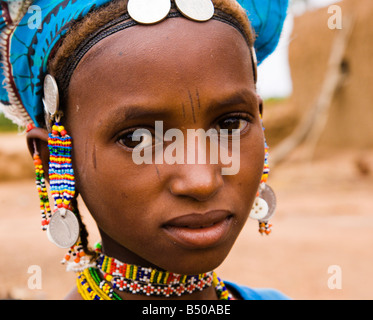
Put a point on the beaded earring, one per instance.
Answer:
(75, 255)
(265, 202)
(45, 209)
(63, 227)
(61, 173)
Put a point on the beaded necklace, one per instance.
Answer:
(92, 287)
(148, 281)
(99, 283)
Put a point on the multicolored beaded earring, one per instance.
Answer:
(61, 173)
(45, 209)
(63, 226)
(265, 201)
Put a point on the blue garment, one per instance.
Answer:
(27, 44)
(246, 293)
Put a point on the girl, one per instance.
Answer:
(90, 80)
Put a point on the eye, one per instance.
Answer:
(236, 122)
(136, 138)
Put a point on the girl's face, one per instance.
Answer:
(183, 218)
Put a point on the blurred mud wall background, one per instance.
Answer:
(349, 115)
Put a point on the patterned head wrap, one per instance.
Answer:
(26, 44)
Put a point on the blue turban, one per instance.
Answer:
(26, 44)
(267, 18)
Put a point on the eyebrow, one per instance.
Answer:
(244, 96)
(139, 112)
(124, 113)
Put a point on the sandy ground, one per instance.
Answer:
(324, 218)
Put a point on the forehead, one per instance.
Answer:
(177, 53)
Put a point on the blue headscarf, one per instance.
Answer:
(26, 44)
(267, 18)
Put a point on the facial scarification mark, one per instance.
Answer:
(94, 159)
(158, 174)
(198, 100)
(192, 106)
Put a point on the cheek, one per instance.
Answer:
(116, 191)
(252, 162)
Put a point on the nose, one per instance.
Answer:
(199, 181)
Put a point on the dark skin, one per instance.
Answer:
(189, 75)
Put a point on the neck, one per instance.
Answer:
(113, 249)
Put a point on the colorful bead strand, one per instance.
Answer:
(85, 290)
(91, 287)
(42, 191)
(266, 164)
(75, 254)
(61, 173)
(221, 289)
(264, 226)
(147, 281)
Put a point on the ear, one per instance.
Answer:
(37, 142)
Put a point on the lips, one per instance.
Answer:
(199, 231)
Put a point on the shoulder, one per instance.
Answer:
(246, 293)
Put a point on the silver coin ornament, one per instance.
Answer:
(265, 205)
(260, 209)
(268, 195)
(148, 11)
(51, 95)
(255, 63)
(63, 229)
(253, 52)
(198, 10)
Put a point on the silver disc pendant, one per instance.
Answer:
(260, 209)
(51, 95)
(63, 229)
(148, 11)
(255, 64)
(268, 195)
(198, 10)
